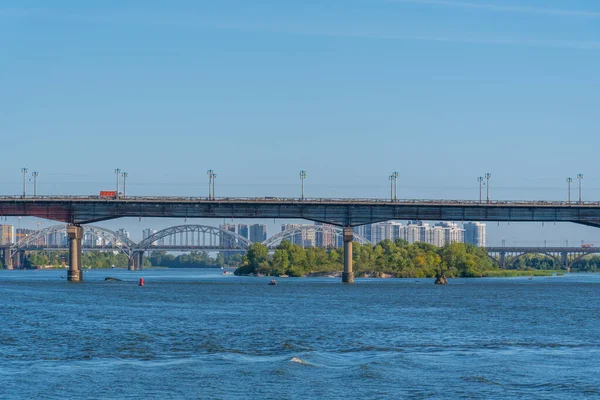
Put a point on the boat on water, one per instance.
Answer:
(273, 282)
(284, 276)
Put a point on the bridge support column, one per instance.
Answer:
(564, 258)
(348, 275)
(6, 260)
(139, 260)
(16, 259)
(74, 234)
(131, 266)
(502, 260)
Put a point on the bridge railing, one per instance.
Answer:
(295, 200)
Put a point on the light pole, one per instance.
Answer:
(391, 177)
(487, 184)
(210, 173)
(214, 177)
(118, 173)
(480, 180)
(569, 181)
(395, 177)
(35, 175)
(124, 175)
(24, 172)
(580, 178)
(302, 178)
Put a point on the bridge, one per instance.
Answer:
(346, 213)
(566, 257)
(176, 238)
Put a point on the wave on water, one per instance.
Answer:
(300, 361)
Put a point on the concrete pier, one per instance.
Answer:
(139, 260)
(348, 275)
(75, 234)
(131, 266)
(6, 260)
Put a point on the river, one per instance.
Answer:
(197, 334)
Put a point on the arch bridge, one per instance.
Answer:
(176, 238)
(566, 257)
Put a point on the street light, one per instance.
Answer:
(118, 173)
(24, 172)
(124, 175)
(394, 177)
(580, 178)
(302, 178)
(210, 173)
(569, 180)
(35, 175)
(480, 180)
(487, 184)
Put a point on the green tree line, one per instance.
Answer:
(399, 259)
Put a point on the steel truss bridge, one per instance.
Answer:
(176, 238)
(566, 257)
(346, 213)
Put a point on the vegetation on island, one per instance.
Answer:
(397, 259)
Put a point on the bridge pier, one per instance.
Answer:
(131, 265)
(74, 234)
(6, 260)
(17, 259)
(348, 275)
(139, 260)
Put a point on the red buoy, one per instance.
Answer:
(141, 281)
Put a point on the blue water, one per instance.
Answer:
(196, 334)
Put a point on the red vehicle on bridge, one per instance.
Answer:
(109, 194)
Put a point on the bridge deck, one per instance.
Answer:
(342, 212)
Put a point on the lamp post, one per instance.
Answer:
(487, 184)
(118, 173)
(214, 177)
(210, 173)
(124, 175)
(580, 178)
(395, 178)
(569, 181)
(391, 178)
(480, 180)
(24, 172)
(35, 175)
(302, 178)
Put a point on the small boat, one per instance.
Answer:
(273, 282)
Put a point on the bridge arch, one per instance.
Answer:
(327, 231)
(118, 242)
(579, 257)
(195, 236)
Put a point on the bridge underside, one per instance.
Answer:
(341, 213)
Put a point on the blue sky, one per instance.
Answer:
(441, 91)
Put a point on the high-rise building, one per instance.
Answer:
(445, 233)
(224, 239)
(416, 231)
(146, 233)
(326, 237)
(475, 233)
(7, 234)
(365, 232)
(243, 230)
(258, 233)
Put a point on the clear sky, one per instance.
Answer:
(442, 91)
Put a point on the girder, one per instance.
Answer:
(341, 212)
